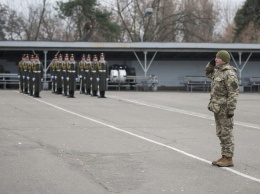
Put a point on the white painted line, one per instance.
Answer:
(149, 140)
(186, 112)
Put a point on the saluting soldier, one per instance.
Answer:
(30, 75)
(59, 74)
(37, 76)
(64, 74)
(53, 74)
(72, 72)
(25, 74)
(87, 81)
(94, 75)
(103, 69)
(20, 73)
(81, 74)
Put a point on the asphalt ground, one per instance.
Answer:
(129, 143)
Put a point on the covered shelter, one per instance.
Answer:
(170, 61)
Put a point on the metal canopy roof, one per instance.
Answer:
(126, 47)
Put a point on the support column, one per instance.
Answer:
(144, 66)
(45, 82)
(240, 68)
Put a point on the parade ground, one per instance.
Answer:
(132, 142)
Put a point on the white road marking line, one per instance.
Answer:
(186, 112)
(150, 140)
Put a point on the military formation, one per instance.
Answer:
(30, 74)
(91, 74)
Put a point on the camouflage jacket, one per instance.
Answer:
(224, 87)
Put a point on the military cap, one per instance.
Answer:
(224, 55)
(83, 56)
(95, 56)
(36, 56)
(32, 57)
(71, 56)
(89, 56)
(102, 55)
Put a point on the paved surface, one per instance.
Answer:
(129, 143)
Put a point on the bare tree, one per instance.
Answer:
(172, 20)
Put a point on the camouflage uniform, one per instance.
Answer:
(224, 93)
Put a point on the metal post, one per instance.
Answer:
(45, 83)
(142, 30)
(45, 64)
(145, 63)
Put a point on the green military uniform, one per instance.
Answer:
(53, 74)
(81, 74)
(103, 75)
(59, 75)
(20, 73)
(64, 74)
(30, 74)
(224, 93)
(37, 76)
(87, 81)
(94, 76)
(72, 72)
(25, 74)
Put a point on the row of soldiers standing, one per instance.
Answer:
(30, 73)
(92, 75)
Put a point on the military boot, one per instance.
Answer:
(214, 163)
(226, 162)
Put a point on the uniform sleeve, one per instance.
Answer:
(209, 70)
(232, 91)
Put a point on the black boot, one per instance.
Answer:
(88, 92)
(69, 94)
(83, 90)
(104, 94)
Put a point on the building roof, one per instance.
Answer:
(121, 46)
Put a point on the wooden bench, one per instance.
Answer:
(254, 82)
(8, 79)
(199, 82)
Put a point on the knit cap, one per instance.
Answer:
(224, 55)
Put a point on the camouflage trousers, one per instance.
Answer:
(224, 130)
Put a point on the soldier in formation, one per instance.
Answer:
(103, 75)
(59, 75)
(30, 75)
(26, 65)
(72, 72)
(82, 74)
(21, 73)
(53, 65)
(94, 76)
(87, 81)
(64, 66)
(37, 77)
